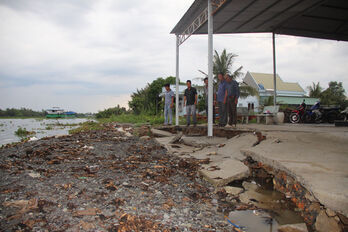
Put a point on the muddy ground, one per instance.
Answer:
(105, 181)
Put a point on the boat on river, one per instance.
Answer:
(57, 112)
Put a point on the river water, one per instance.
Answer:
(41, 127)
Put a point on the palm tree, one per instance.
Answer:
(223, 64)
(246, 90)
(315, 90)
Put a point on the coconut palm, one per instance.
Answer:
(223, 64)
(246, 90)
(315, 90)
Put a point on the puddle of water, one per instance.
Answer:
(275, 209)
(254, 221)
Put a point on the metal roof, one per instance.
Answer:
(296, 100)
(324, 19)
(267, 81)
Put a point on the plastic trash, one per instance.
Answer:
(33, 139)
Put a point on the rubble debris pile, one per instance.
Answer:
(104, 180)
(202, 131)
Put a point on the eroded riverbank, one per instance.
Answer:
(104, 181)
(120, 179)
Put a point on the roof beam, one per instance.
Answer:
(194, 26)
(297, 32)
(236, 15)
(298, 14)
(325, 18)
(258, 14)
(200, 20)
(280, 13)
(340, 26)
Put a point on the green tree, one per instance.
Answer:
(334, 95)
(315, 90)
(22, 112)
(147, 100)
(246, 90)
(107, 113)
(223, 64)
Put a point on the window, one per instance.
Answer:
(261, 86)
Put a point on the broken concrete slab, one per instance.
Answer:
(235, 144)
(229, 170)
(179, 149)
(318, 161)
(233, 190)
(160, 133)
(208, 152)
(145, 137)
(326, 223)
(202, 141)
(176, 138)
(300, 227)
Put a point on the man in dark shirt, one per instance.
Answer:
(232, 95)
(190, 101)
(221, 100)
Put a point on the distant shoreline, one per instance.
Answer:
(32, 117)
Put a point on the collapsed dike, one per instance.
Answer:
(315, 215)
(120, 179)
(298, 198)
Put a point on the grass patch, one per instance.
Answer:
(49, 128)
(134, 119)
(22, 132)
(142, 119)
(23, 117)
(87, 126)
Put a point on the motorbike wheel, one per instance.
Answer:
(309, 118)
(342, 117)
(331, 117)
(294, 118)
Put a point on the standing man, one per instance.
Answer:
(190, 101)
(221, 99)
(168, 104)
(232, 95)
(206, 98)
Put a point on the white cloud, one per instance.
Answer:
(87, 55)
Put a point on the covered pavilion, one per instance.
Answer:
(322, 19)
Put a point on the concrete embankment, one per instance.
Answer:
(308, 165)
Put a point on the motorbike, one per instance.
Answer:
(297, 115)
(343, 115)
(301, 114)
(314, 114)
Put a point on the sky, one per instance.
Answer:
(89, 55)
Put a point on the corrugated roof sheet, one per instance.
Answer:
(325, 19)
(267, 81)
